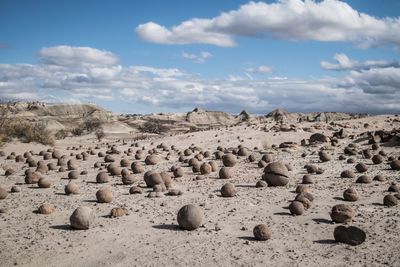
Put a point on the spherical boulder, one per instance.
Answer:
(262, 164)
(205, 168)
(395, 165)
(128, 179)
(9, 172)
(350, 194)
(364, 179)
(305, 201)
(261, 183)
(135, 190)
(33, 177)
(71, 189)
(324, 156)
(190, 217)
(394, 188)
(82, 218)
(104, 195)
(159, 188)
(307, 179)
(390, 201)
(349, 235)
(296, 208)
(151, 160)
(3, 193)
(301, 188)
(124, 162)
(214, 166)
(115, 170)
(225, 173)
(318, 138)
(351, 160)
(261, 232)
(229, 160)
(178, 172)
(228, 190)
(342, 213)
(361, 167)
(153, 179)
(243, 152)
(118, 212)
(347, 174)
(306, 195)
(73, 174)
(44, 182)
(311, 168)
(46, 209)
(276, 174)
(137, 167)
(267, 158)
(15, 189)
(379, 178)
(377, 159)
(102, 177)
(196, 167)
(72, 164)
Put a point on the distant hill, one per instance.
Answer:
(63, 116)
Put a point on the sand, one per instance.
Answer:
(149, 235)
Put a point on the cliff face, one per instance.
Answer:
(56, 116)
(54, 110)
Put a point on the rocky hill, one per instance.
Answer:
(68, 116)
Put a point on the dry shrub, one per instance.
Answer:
(92, 124)
(140, 136)
(27, 132)
(100, 134)
(77, 131)
(154, 127)
(62, 134)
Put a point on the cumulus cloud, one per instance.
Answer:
(379, 81)
(374, 90)
(345, 63)
(197, 58)
(76, 56)
(187, 32)
(259, 70)
(325, 21)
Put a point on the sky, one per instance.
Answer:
(171, 56)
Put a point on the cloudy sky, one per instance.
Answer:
(171, 56)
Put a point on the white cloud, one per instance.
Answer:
(64, 55)
(372, 90)
(186, 33)
(379, 81)
(260, 69)
(345, 63)
(326, 21)
(197, 58)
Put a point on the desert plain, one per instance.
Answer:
(149, 234)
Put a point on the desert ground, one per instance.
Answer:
(149, 235)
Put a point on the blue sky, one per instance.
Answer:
(251, 62)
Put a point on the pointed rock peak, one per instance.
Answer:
(244, 112)
(197, 109)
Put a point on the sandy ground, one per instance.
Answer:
(149, 235)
